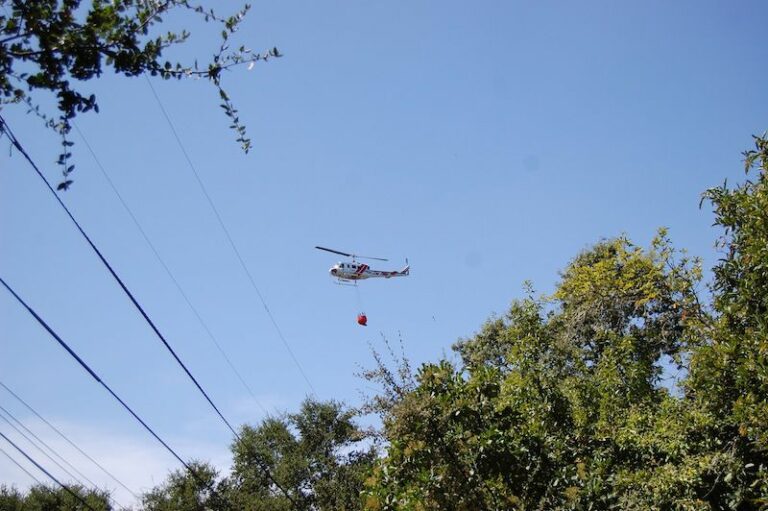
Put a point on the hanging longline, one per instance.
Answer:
(362, 319)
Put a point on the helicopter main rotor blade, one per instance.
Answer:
(369, 257)
(334, 251)
(353, 256)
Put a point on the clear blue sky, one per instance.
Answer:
(487, 142)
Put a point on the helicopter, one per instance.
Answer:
(350, 272)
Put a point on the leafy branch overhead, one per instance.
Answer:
(55, 46)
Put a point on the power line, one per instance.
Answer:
(90, 371)
(72, 476)
(69, 441)
(51, 450)
(38, 481)
(229, 239)
(43, 470)
(5, 128)
(168, 271)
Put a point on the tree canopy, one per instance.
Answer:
(315, 459)
(44, 498)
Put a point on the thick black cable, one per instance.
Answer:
(4, 126)
(39, 482)
(53, 451)
(169, 272)
(69, 474)
(62, 435)
(31, 476)
(50, 449)
(43, 470)
(230, 240)
(90, 371)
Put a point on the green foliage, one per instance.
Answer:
(310, 460)
(559, 404)
(184, 491)
(11, 499)
(314, 454)
(44, 498)
(57, 45)
(729, 374)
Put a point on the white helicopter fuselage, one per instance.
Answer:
(359, 271)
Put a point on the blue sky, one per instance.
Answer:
(487, 142)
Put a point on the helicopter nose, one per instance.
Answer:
(332, 271)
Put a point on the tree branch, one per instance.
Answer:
(17, 36)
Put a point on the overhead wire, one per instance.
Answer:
(6, 129)
(31, 476)
(93, 374)
(168, 271)
(62, 435)
(230, 239)
(43, 470)
(50, 449)
(93, 485)
(69, 474)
